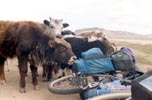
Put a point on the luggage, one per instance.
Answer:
(107, 88)
(93, 61)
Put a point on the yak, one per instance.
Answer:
(81, 44)
(34, 43)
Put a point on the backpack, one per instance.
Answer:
(124, 59)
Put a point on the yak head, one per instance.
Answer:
(55, 26)
(62, 51)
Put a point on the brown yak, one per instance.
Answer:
(32, 42)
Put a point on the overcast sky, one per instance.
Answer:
(127, 15)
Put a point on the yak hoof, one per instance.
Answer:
(26, 74)
(46, 80)
(22, 90)
(3, 82)
(36, 87)
(37, 75)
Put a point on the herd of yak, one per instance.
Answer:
(46, 44)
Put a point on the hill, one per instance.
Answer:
(115, 34)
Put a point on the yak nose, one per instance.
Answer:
(74, 57)
(70, 62)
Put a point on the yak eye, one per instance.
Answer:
(51, 26)
(63, 48)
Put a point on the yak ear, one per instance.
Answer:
(50, 18)
(65, 25)
(51, 43)
(46, 22)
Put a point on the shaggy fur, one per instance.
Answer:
(31, 42)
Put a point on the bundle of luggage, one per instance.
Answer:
(94, 61)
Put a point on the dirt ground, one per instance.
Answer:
(10, 91)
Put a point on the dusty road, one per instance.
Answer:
(10, 91)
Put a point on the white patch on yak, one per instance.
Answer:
(68, 36)
(71, 36)
(54, 26)
(94, 38)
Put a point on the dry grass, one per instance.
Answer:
(143, 61)
(147, 48)
(142, 52)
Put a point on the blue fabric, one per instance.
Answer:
(91, 52)
(94, 64)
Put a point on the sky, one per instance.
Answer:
(124, 15)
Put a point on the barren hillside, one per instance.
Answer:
(116, 34)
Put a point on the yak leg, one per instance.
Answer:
(44, 71)
(34, 76)
(2, 74)
(23, 72)
(47, 73)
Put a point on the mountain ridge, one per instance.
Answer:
(115, 34)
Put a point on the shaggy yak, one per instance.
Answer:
(81, 44)
(32, 42)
